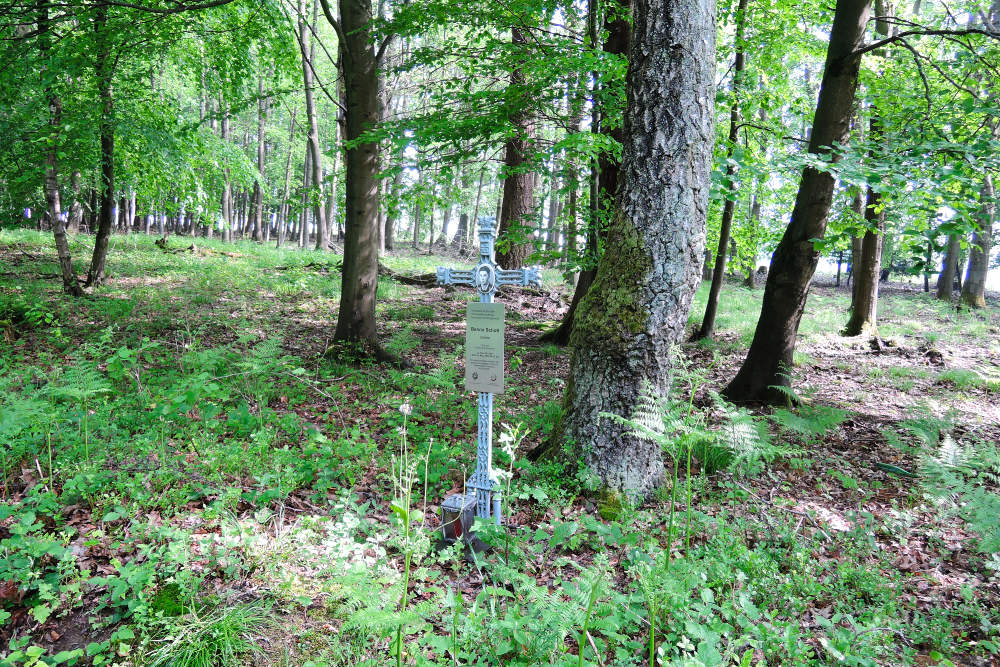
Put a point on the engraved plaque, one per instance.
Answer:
(484, 330)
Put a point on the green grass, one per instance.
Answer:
(191, 481)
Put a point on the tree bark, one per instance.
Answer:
(729, 206)
(316, 163)
(974, 287)
(104, 71)
(257, 223)
(946, 281)
(356, 319)
(866, 273)
(769, 359)
(518, 185)
(52, 200)
(227, 187)
(609, 177)
(76, 208)
(282, 230)
(637, 306)
(392, 215)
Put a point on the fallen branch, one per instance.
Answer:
(421, 280)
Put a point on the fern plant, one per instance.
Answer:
(740, 440)
(964, 477)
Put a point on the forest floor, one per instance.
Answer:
(192, 477)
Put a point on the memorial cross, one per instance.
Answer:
(486, 277)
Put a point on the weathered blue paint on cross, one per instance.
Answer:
(486, 277)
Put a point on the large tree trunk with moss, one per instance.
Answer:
(518, 185)
(729, 206)
(356, 319)
(104, 70)
(974, 288)
(637, 307)
(793, 264)
(946, 280)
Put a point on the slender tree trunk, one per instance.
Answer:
(54, 212)
(864, 312)
(928, 256)
(729, 206)
(637, 307)
(608, 171)
(946, 281)
(974, 287)
(76, 208)
(286, 190)
(518, 185)
(104, 72)
(415, 213)
(392, 214)
(258, 189)
(753, 236)
(769, 360)
(356, 319)
(227, 187)
(306, 186)
(316, 163)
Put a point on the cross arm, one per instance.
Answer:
(530, 275)
(446, 276)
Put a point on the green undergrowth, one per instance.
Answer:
(188, 480)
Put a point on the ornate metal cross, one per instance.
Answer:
(486, 277)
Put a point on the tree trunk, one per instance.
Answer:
(227, 187)
(53, 204)
(316, 163)
(392, 215)
(282, 230)
(866, 273)
(356, 319)
(769, 359)
(637, 306)
(946, 281)
(258, 190)
(304, 216)
(609, 177)
(974, 287)
(864, 310)
(104, 71)
(729, 206)
(518, 185)
(76, 208)
(415, 213)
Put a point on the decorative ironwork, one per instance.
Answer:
(486, 277)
